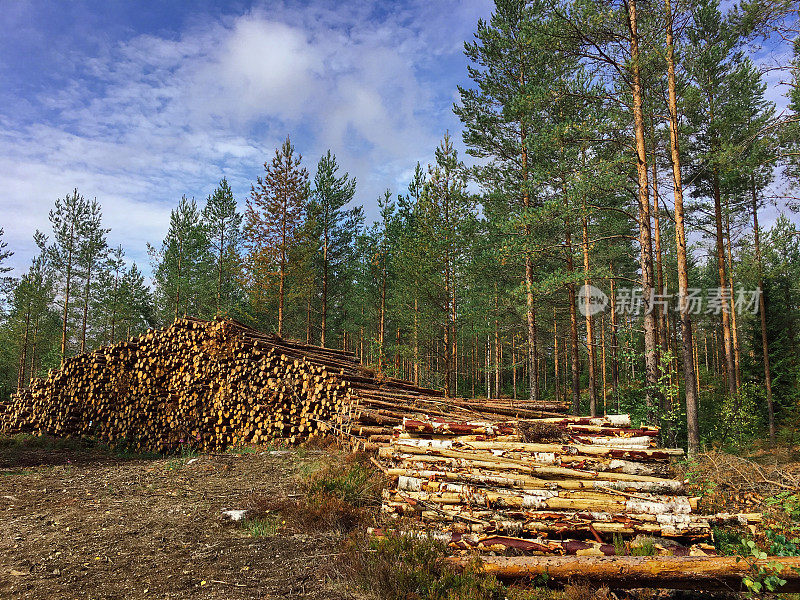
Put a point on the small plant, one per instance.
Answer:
(788, 502)
(780, 545)
(340, 494)
(726, 541)
(185, 453)
(43, 442)
(354, 484)
(645, 548)
(619, 545)
(263, 526)
(696, 480)
(783, 532)
(242, 450)
(764, 577)
(740, 417)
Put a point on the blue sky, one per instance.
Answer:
(137, 103)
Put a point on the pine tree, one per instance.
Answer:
(275, 212)
(335, 226)
(382, 260)
(689, 368)
(183, 271)
(91, 255)
(222, 224)
(68, 219)
(443, 211)
(752, 147)
(137, 312)
(6, 282)
(32, 321)
(110, 297)
(710, 62)
(507, 70)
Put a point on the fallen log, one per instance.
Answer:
(674, 572)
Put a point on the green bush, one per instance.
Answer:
(400, 566)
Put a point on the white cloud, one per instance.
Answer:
(145, 120)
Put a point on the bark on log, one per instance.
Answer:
(713, 573)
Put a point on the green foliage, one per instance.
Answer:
(352, 482)
(763, 576)
(619, 545)
(223, 226)
(181, 266)
(788, 502)
(402, 566)
(727, 541)
(263, 527)
(783, 531)
(741, 417)
(646, 547)
(781, 545)
(693, 474)
(41, 442)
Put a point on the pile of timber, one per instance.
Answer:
(209, 384)
(602, 487)
(374, 414)
(214, 384)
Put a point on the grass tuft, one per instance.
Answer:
(262, 526)
(339, 493)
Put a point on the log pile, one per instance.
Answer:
(599, 486)
(214, 384)
(207, 384)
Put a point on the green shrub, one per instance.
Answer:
(400, 566)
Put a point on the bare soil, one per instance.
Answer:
(85, 523)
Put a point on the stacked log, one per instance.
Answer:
(373, 413)
(214, 384)
(478, 485)
(205, 384)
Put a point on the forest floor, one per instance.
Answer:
(79, 521)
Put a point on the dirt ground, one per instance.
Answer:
(80, 523)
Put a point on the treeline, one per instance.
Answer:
(623, 155)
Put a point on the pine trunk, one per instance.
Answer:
(732, 303)
(66, 292)
(589, 320)
(727, 341)
(763, 313)
(86, 307)
(693, 428)
(324, 316)
(614, 338)
(645, 243)
(573, 322)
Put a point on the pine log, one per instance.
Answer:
(711, 573)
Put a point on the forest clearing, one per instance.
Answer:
(532, 331)
(542, 494)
